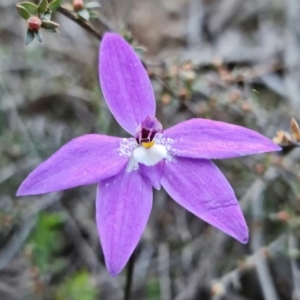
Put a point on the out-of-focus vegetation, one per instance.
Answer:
(232, 60)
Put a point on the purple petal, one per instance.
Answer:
(84, 160)
(154, 173)
(200, 187)
(125, 83)
(201, 138)
(123, 207)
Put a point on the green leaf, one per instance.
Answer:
(92, 4)
(84, 14)
(55, 4)
(52, 30)
(152, 289)
(128, 37)
(30, 7)
(46, 240)
(77, 287)
(46, 16)
(49, 24)
(94, 15)
(42, 7)
(23, 12)
(38, 36)
(140, 50)
(29, 37)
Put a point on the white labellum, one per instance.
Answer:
(150, 156)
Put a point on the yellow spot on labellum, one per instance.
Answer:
(148, 145)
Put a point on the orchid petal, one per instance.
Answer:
(123, 207)
(125, 83)
(201, 138)
(84, 160)
(200, 187)
(154, 173)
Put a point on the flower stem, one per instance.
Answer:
(129, 277)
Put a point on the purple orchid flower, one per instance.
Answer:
(125, 169)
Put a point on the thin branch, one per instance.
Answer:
(164, 271)
(293, 246)
(291, 55)
(91, 29)
(84, 24)
(16, 242)
(257, 242)
(233, 277)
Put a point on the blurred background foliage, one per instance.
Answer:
(231, 60)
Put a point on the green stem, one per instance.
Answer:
(129, 277)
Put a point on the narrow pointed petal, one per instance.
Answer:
(84, 160)
(154, 173)
(125, 83)
(123, 207)
(201, 138)
(200, 187)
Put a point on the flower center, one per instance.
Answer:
(146, 131)
(149, 153)
(148, 144)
